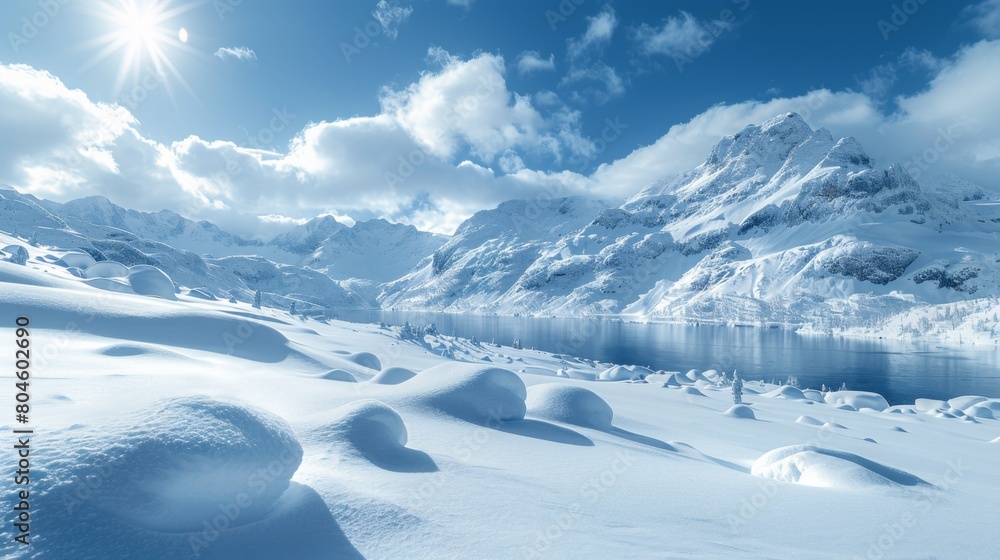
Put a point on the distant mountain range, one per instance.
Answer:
(780, 225)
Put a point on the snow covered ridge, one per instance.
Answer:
(191, 428)
(781, 225)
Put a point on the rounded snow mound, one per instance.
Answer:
(473, 392)
(370, 428)
(76, 259)
(16, 254)
(786, 392)
(980, 412)
(740, 411)
(672, 381)
(815, 466)
(130, 350)
(392, 376)
(992, 404)
(966, 401)
(711, 375)
(691, 392)
(185, 459)
(808, 421)
(149, 281)
(108, 269)
(623, 373)
(928, 405)
(813, 395)
(569, 404)
(338, 375)
(202, 293)
(857, 399)
(365, 359)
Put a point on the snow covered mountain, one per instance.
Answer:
(489, 254)
(322, 262)
(781, 224)
(371, 250)
(109, 233)
(97, 217)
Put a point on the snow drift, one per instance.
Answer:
(815, 466)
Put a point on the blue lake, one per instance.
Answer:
(900, 371)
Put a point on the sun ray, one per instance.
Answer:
(141, 31)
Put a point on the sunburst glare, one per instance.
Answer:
(144, 33)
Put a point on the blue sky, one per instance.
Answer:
(424, 111)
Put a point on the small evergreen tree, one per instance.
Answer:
(256, 299)
(291, 308)
(737, 388)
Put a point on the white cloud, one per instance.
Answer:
(61, 145)
(531, 61)
(879, 81)
(510, 162)
(414, 164)
(467, 104)
(391, 16)
(461, 3)
(599, 72)
(680, 37)
(985, 18)
(921, 59)
(957, 112)
(239, 53)
(600, 28)
(585, 64)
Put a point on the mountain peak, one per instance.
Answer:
(771, 141)
(847, 152)
(792, 122)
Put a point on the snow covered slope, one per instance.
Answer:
(198, 429)
(489, 254)
(781, 224)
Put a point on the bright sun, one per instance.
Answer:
(145, 35)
